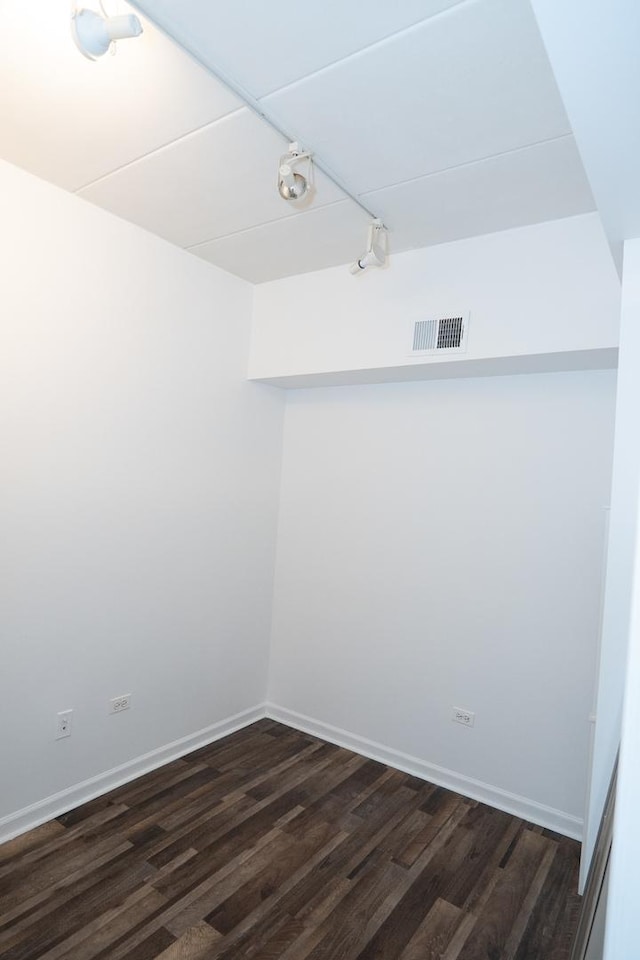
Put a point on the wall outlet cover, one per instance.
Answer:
(466, 717)
(63, 724)
(118, 704)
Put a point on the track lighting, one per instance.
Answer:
(376, 253)
(95, 32)
(292, 184)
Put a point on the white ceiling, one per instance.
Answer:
(441, 116)
(598, 70)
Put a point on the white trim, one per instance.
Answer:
(59, 803)
(531, 810)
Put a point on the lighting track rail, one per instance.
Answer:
(256, 107)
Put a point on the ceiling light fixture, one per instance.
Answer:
(288, 182)
(94, 33)
(376, 253)
(292, 184)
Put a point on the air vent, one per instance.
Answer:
(434, 336)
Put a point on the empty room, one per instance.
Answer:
(319, 384)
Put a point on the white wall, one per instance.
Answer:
(621, 548)
(593, 53)
(140, 477)
(621, 639)
(440, 544)
(139, 496)
(547, 289)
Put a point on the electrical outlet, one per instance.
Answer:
(118, 704)
(63, 724)
(466, 717)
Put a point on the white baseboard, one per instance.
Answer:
(531, 810)
(59, 803)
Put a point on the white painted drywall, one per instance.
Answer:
(621, 547)
(593, 51)
(621, 639)
(140, 478)
(545, 289)
(440, 544)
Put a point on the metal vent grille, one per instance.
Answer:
(449, 333)
(425, 335)
(446, 333)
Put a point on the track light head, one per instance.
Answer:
(292, 184)
(376, 253)
(93, 34)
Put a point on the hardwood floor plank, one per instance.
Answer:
(213, 856)
(344, 931)
(460, 937)
(217, 845)
(27, 911)
(286, 933)
(430, 882)
(346, 859)
(30, 841)
(270, 844)
(434, 934)
(419, 842)
(193, 903)
(230, 813)
(266, 883)
(76, 859)
(108, 926)
(527, 905)
(491, 932)
(495, 862)
(60, 841)
(261, 924)
(491, 831)
(152, 946)
(194, 944)
(547, 933)
(397, 920)
(72, 914)
(147, 782)
(225, 789)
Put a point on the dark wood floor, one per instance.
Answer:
(273, 844)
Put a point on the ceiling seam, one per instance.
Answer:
(468, 163)
(388, 186)
(383, 41)
(161, 148)
(267, 223)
